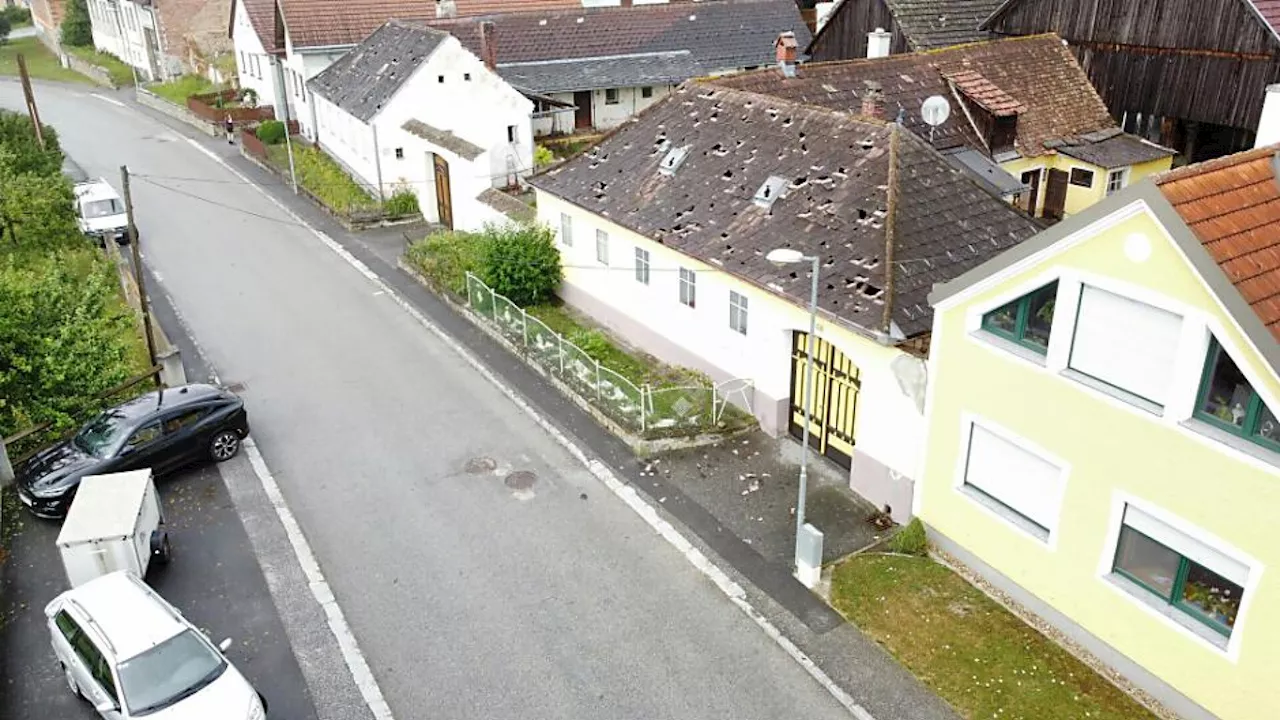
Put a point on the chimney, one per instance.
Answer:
(878, 43)
(872, 99)
(1269, 123)
(446, 8)
(785, 46)
(489, 45)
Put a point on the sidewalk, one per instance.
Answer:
(710, 510)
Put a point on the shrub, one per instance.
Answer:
(402, 202)
(17, 15)
(248, 96)
(270, 132)
(77, 27)
(445, 258)
(542, 156)
(521, 262)
(910, 540)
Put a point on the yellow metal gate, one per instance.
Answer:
(836, 381)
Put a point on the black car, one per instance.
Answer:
(162, 430)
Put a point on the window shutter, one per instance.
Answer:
(1027, 483)
(1126, 343)
(1194, 550)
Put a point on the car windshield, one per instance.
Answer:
(102, 433)
(102, 208)
(168, 673)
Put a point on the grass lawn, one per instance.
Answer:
(323, 178)
(41, 64)
(177, 91)
(978, 656)
(116, 68)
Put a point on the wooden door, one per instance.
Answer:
(833, 398)
(1031, 179)
(444, 197)
(582, 119)
(1055, 195)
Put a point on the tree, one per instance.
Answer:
(6, 25)
(521, 262)
(18, 137)
(36, 211)
(77, 28)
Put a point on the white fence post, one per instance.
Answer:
(599, 391)
(470, 300)
(560, 351)
(524, 329)
(6, 468)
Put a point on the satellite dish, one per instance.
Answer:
(934, 111)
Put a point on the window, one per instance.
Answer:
(440, 79)
(466, 77)
(602, 247)
(1027, 320)
(1081, 177)
(186, 419)
(1116, 180)
(566, 230)
(143, 437)
(642, 266)
(1186, 574)
(1013, 481)
(646, 92)
(244, 62)
(688, 287)
(738, 312)
(512, 136)
(611, 96)
(399, 153)
(68, 627)
(1126, 344)
(1228, 401)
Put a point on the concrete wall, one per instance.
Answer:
(1221, 490)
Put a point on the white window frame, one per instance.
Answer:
(738, 314)
(642, 265)
(993, 506)
(1231, 649)
(566, 229)
(602, 247)
(688, 288)
(1122, 177)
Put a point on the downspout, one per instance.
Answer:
(890, 223)
(377, 161)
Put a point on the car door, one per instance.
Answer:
(139, 450)
(183, 438)
(92, 671)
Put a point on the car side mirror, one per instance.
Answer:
(225, 644)
(105, 706)
(127, 449)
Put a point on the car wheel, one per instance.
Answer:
(71, 683)
(224, 445)
(161, 550)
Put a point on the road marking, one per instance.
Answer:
(623, 491)
(113, 101)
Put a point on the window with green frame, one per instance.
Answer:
(1228, 401)
(1178, 580)
(1027, 320)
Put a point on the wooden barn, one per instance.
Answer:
(911, 25)
(1189, 74)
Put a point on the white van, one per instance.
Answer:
(101, 212)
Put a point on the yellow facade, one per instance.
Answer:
(1112, 451)
(1079, 197)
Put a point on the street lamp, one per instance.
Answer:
(806, 567)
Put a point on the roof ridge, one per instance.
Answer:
(1215, 164)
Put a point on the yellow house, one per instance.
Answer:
(1018, 114)
(664, 229)
(1101, 439)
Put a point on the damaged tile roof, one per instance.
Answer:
(931, 24)
(1112, 149)
(1269, 10)
(509, 206)
(886, 213)
(1038, 71)
(461, 147)
(1232, 204)
(363, 80)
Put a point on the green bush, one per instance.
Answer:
(270, 132)
(402, 202)
(16, 15)
(910, 540)
(521, 262)
(178, 90)
(77, 28)
(445, 258)
(324, 178)
(542, 156)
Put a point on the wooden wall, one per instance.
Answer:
(844, 37)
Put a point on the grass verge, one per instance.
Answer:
(323, 177)
(117, 69)
(979, 657)
(41, 64)
(178, 90)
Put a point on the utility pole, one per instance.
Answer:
(31, 100)
(137, 270)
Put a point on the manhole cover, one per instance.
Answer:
(481, 465)
(521, 480)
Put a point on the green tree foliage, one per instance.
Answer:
(77, 28)
(6, 25)
(18, 137)
(271, 132)
(36, 210)
(521, 262)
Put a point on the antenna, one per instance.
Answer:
(934, 111)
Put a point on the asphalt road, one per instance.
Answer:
(472, 594)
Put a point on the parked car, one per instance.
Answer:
(131, 654)
(101, 212)
(162, 430)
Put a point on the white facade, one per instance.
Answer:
(122, 28)
(255, 68)
(609, 108)
(451, 91)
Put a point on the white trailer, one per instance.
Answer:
(115, 523)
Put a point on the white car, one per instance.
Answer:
(132, 655)
(101, 211)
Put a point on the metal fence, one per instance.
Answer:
(644, 409)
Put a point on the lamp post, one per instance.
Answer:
(787, 256)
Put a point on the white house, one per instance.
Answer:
(664, 228)
(258, 64)
(410, 107)
(127, 30)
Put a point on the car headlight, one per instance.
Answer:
(256, 712)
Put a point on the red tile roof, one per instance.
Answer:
(985, 93)
(1270, 11)
(262, 15)
(1232, 205)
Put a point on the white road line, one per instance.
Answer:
(113, 101)
(624, 492)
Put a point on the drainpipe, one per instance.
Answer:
(377, 162)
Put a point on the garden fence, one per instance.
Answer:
(643, 409)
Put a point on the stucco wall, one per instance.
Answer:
(122, 32)
(1115, 452)
(888, 427)
(252, 60)
(1078, 197)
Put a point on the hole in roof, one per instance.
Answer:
(800, 182)
(862, 214)
(728, 175)
(786, 122)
